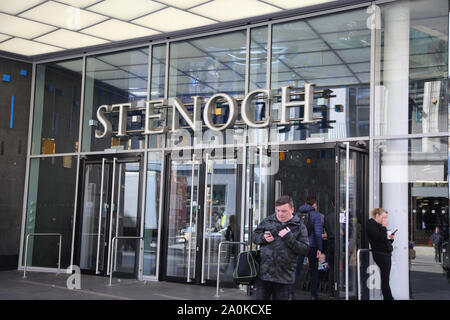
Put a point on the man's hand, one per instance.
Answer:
(284, 231)
(268, 236)
(318, 254)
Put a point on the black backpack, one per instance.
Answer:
(247, 267)
(305, 217)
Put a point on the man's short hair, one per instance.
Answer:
(283, 200)
(377, 211)
(311, 200)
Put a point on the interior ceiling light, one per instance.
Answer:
(226, 10)
(26, 47)
(23, 28)
(17, 6)
(124, 9)
(183, 4)
(172, 19)
(293, 4)
(117, 30)
(63, 16)
(70, 39)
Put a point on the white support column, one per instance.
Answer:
(394, 175)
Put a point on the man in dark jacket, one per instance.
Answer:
(315, 244)
(282, 238)
(381, 247)
(436, 239)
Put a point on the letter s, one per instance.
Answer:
(105, 122)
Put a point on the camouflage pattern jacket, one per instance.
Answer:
(278, 259)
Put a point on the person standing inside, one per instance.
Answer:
(282, 237)
(436, 239)
(381, 247)
(313, 221)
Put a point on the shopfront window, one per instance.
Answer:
(114, 79)
(332, 52)
(51, 194)
(204, 67)
(57, 107)
(158, 85)
(411, 182)
(152, 212)
(412, 68)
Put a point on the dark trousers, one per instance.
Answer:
(267, 290)
(437, 252)
(313, 265)
(384, 263)
(330, 249)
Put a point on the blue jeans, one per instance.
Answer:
(313, 266)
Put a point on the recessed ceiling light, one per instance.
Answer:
(183, 4)
(117, 30)
(15, 6)
(63, 16)
(26, 47)
(292, 4)
(22, 27)
(226, 10)
(172, 19)
(69, 39)
(123, 10)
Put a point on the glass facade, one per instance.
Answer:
(113, 79)
(380, 84)
(57, 107)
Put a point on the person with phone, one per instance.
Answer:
(282, 237)
(381, 246)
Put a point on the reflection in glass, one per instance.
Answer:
(412, 68)
(112, 79)
(182, 229)
(158, 83)
(57, 107)
(333, 52)
(152, 212)
(220, 211)
(51, 194)
(204, 67)
(412, 184)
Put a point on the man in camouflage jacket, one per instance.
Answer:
(282, 238)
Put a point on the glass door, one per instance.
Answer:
(202, 209)
(352, 196)
(182, 220)
(221, 212)
(109, 207)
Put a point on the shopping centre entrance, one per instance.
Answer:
(109, 207)
(337, 176)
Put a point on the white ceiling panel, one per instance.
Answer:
(171, 19)
(226, 10)
(4, 37)
(117, 30)
(126, 10)
(16, 6)
(63, 16)
(70, 39)
(79, 3)
(183, 4)
(293, 4)
(26, 47)
(22, 27)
